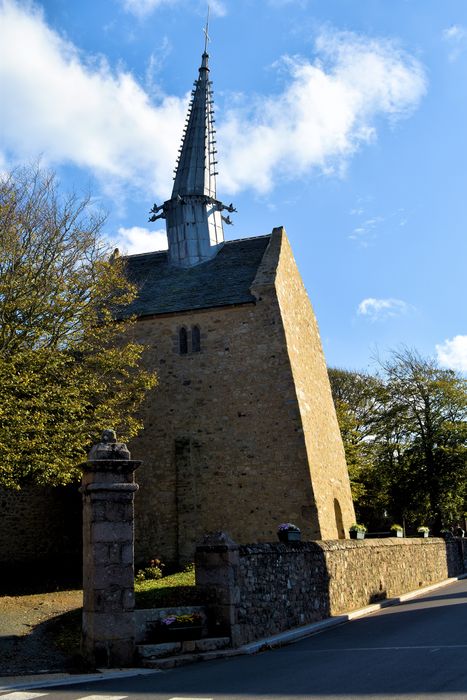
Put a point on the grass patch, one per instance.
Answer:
(170, 591)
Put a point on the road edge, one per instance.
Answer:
(260, 645)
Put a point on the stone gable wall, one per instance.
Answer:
(264, 589)
(328, 468)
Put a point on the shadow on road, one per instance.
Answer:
(400, 651)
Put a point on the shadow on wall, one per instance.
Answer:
(339, 520)
(456, 551)
(264, 589)
(40, 539)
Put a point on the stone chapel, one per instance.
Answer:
(241, 434)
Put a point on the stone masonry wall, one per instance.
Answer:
(223, 444)
(374, 570)
(328, 468)
(275, 587)
(40, 525)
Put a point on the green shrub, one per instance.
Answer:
(153, 572)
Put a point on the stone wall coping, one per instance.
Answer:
(333, 545)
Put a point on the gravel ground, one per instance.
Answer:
(39, 633)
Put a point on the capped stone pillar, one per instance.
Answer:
(108, 489)
(216, 567)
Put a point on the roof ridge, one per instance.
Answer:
(165, 251)
(148, 252)
(248, 238)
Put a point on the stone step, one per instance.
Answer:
(155, 651)
(150, 652)
(182, 659)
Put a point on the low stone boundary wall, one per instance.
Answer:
(264, 589)
(375, 570)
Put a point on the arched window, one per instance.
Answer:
(183, 341)
(195, 339)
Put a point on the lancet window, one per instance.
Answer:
(183, 341)
(195, 339)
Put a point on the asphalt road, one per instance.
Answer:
(414, 651)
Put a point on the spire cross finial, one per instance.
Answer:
(206, 35)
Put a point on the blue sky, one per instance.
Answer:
(343, 120)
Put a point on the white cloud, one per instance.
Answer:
(137, 239)
(455, 37)
(73, 110)
(76, 109)
(155, 64)
(218, 8)
(366, 231)
(380, 309)
(327, 111)
(454, 32)
(453, 353)
(143, 8)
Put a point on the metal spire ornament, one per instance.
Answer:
(193, 213)
(206, 34)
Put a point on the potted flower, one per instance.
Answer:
(357, 531)
(178, 628)
(397, 530)
(288, 532)
(423, 530)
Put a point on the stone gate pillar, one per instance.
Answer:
(108, 489)
(216, 567)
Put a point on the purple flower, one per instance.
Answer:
(284, 527)
(169, 620)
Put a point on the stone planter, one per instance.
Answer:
(423, 534)
(160, 633)
(397, 533)
(357, 535)
(289, 535)
(184, 633)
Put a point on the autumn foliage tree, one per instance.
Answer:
(67, 369)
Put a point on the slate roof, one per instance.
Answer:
(223, 281)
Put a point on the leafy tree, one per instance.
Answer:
(423, 436)
(67, 369)
(407, 442)
(355, 397)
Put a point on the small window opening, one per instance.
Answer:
(183, 341)
(195, 339)
(339, 520)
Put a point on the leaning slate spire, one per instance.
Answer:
(193, 213)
